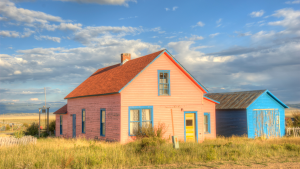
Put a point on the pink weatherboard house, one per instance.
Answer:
(114, 101)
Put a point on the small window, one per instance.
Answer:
(60, 124)
(189, 122)
(164, 82)
(83, 120)
(206, 122)
(140, 116)
(102, 122)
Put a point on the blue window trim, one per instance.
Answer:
(60, 125)
(196, 122)
(208, 119)
(140, 120)
(83, 123)
(164, 71)
(101, 111)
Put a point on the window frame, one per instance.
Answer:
(169, 84)
(140, 116)
(101, 132)
(60, 125)
(208, 123)
(83, 123)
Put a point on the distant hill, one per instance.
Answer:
(11, 108)
(294, 106)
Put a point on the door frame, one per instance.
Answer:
(196, 124)
(73, 125)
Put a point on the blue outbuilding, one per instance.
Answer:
(255, 113)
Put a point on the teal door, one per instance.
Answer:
(74, 125)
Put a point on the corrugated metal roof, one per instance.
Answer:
(235, 100)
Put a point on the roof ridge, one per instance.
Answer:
(237, 92)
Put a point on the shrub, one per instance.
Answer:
(7, 127)
(25, 125)
(32, 130)
(289, 122)
(52, 126)
(19, 134)
(149, 131)
(296, 116)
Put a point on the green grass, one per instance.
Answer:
(81, 153)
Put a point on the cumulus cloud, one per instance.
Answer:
(34, 99)
(257, 13)
(194, 38)
(293, 2)
(173, 9)
(201, 24)
(214, 34)
(103, 2)
(55, 39)
(7, 33)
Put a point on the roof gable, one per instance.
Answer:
(62, 110)
(113, 79)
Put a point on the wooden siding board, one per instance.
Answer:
(92, 106)
(186, 96)
(231, 122)
(265, 101)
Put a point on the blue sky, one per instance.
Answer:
(227, 45)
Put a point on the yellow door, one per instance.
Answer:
(190, 127)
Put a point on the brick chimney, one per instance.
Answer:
(125, 57)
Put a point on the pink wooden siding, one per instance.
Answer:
(209, 107)
(92, 106)
(185, 96)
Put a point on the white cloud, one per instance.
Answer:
(103, 2)
(243, 34)
(213, 35)
(55, 39)
(69, 26)
(34, 99)
(174, 8)
(170, 37)
(257, 13)
(17, 72)
(293, 2)
(201, 24)
(167, 9)
(194, 37)
(8, 100)
(219, 21)
(12, 34)
(27, 32)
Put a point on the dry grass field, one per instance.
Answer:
(219, 153)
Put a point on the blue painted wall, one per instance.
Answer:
(264, 101)
(231, 122)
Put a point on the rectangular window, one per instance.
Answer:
(102, 122)
(139, 116)
(206, 122)
(60, 124)
(83, 120)
(163, 82)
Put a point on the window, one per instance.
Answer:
(60, 124)
(83, 120)
(206, 122)
(102, 122)
(139, 116)
(164, 82)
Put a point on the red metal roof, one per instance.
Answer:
(112, 79)
(62, 110)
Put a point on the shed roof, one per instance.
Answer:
(239, 100)
(62, 110)
(113, 79)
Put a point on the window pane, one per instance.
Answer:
(166, 77)
(146, 124)
(161, 76)
(103, 128)
(61, 119)
(161, 92)
(161, 86)
(205, 127)
(83, 123)
(103, 116)
(166, 92)
(205, 119)
(134, 127)
(146, 114)
(134, 115)
(189, 122)
(83, 116)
